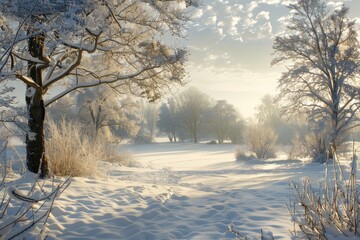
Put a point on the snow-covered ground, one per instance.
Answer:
(181, 191)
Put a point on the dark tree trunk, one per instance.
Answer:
(35, 144)
(174, 136)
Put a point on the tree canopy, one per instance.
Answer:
(56, 47)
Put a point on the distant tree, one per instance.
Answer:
(80, 44)
(151, 117)
(236, 135)
(11, 115)
(64, 108)
(269, 113)
(221, 118)
(321, 53)
(168, 120)
(192, 105)
(101, 109)
(148, 117)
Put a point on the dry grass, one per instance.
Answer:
(71, 152)
(123, 158)
(331, 212)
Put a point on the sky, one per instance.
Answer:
(230, 46)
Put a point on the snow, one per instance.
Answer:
(181, 191)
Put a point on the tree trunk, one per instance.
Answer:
(35, 145)
(195, 137)
(174, 135)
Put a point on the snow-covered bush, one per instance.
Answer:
(314, 141)
(73, 153)
(331, 212)
(261, 140)
(143, 138)
(241, 155)
(122, 157)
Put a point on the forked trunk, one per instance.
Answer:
(35, 145)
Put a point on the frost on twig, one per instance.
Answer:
(329, 212)
(26, 205)
(241, 236)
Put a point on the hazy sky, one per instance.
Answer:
(231, 46)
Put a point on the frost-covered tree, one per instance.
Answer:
(102, 110)
(321, 53)
(63, 109)
(147, 122)
(168, 119)
(221, 119)
(10, 114)
(192, 105)
(268, 112)
(151, 118)
(56, 47)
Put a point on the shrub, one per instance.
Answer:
(212, 142)
(315, 144)
(297, 147)
(261, 140)
(71, 152)
(143, 138)
(240, 154)
(331, 212)
(123, 157)
(240, 236)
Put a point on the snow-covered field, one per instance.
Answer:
(181, 191)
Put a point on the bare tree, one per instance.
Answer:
(269, 113)
(147, 122)
(151, 117)
(222, 118)
(63, 109)
(80, 44)
(103, 110)
(168, 120)
(321, 53)
(192, 105)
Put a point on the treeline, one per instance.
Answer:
(190, 115)
(193, 115)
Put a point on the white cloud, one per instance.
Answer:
(239, 20)
(211, 20)
(252, 6)
(263, 15)
(229, 25)
(335, 5)
(212, 57)
(265, 31)
(197, 13)
(288, 2)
